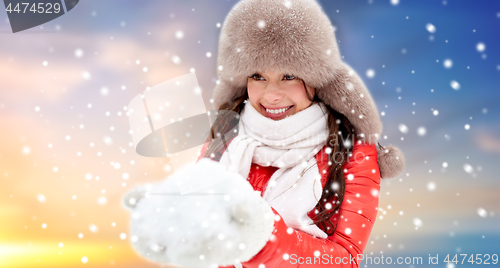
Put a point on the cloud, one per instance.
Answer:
(487, 141)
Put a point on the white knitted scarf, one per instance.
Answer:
(291, 145)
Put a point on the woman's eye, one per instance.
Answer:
(257, 77)
(289, 77)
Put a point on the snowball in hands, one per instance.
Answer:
(202, 215)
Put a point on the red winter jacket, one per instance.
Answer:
(358, 213)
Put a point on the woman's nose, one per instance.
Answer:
(273, 93)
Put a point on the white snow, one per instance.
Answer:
(86, 75)
(403, 128)
(93, 228)
(179, 34)
(102, 200)
(123, 236)
(370, 73)
(104, 91)
(417, 222)
(261, 24)
(175, 221)
(480, 47)
(78, 53)
(176, 59)
(482, 212)
(431, 186)
(455, 85)
(26, 150)
(468, 168)
(430, 27)
(447, 63)
(421, 131)
(41, 198)
(395, 2)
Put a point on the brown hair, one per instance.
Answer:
(338, 125)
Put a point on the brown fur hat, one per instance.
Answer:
(296, 37)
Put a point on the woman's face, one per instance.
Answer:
(277, 95)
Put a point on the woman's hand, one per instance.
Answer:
(202, 215)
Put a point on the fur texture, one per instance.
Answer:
(296, 37)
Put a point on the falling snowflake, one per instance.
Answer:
(93, 228)
(421, 131)
(395, 2)
(104, 91)
(431, 186)
(123, 236)
(26, 150)
(447, 63)
(482, 212)
(480, 47)
(176, 59)
(417, 222)
(261, 24)
(102, 200)
(179, 34)
(116, 165)
(86, 75)
(455, 85)
(403, 128)
(430, 27)
(468, 168)
(41, 198)
(78, 53)
(107, 140)
(370, 73)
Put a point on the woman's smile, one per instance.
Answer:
(277, 113)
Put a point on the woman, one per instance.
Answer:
(280, 69)
(301, 128)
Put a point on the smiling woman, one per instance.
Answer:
(305, 142)
(277, 96)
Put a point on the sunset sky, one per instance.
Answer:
(67, 158)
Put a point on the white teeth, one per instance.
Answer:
(277, 111)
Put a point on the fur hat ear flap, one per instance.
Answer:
(348, 95)
(391, 161)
